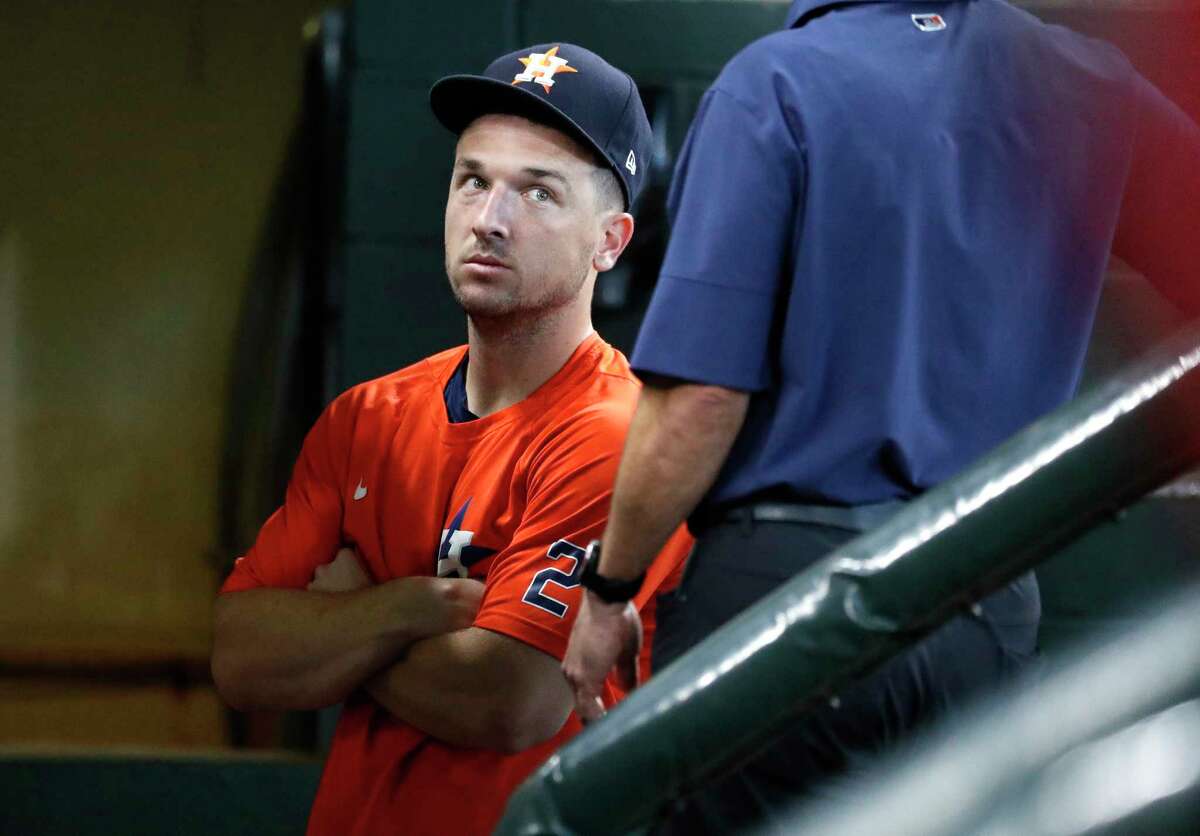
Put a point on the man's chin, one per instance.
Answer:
(484, 305)
(490, 313)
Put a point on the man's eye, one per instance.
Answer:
(540, 195)
(477, 183)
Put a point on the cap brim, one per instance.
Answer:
(458, 100)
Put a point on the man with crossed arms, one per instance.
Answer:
(425, 567)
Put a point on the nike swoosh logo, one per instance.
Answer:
(360, 491)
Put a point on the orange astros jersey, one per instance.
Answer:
(511, 499)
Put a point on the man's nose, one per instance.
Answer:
(494, 217)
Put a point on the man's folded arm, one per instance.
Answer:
(296, 649)
(498, 685)
(478, 689)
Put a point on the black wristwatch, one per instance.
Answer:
(610, 590)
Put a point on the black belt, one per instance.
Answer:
(850, 518)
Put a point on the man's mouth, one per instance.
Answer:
(486, 260)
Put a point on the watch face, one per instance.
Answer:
(591, 559)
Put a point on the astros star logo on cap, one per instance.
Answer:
(540, 68)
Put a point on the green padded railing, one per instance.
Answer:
(1104, 743)
(844, 615)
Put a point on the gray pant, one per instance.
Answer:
(736, 563)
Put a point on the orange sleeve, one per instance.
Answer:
(664, 575)
(533, 587)
(306, 530)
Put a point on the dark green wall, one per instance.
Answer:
(151, 795)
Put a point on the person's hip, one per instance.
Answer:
(757, 546)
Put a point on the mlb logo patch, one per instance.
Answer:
(929, 23)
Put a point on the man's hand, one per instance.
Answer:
(305, 649)
(433, 605)
(342, 574)
(604, 636)
(444, 605)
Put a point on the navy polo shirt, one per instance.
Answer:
(893, 232)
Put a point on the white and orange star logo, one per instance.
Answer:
(540, 68)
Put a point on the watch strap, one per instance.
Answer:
(609, 590)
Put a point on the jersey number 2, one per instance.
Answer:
(566, 580)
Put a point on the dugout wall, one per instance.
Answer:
(390, 305)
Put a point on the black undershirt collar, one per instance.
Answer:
(455, 396)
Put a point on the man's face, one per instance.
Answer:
(523, 227)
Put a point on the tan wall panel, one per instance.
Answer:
(54, 711)
(10, 493)
(140, 146)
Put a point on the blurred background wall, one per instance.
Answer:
(139, 145)
(192, 263)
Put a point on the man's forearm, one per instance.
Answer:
(676, 445)
(477, 689)
(292, 649)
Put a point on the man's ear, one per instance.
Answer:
(618, 229)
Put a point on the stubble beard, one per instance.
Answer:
(508, 306)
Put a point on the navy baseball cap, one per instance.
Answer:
(566, 87)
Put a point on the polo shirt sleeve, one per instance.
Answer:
(1158, 232)
(733, 205)
(305, 531)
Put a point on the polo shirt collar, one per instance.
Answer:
(802, 8)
